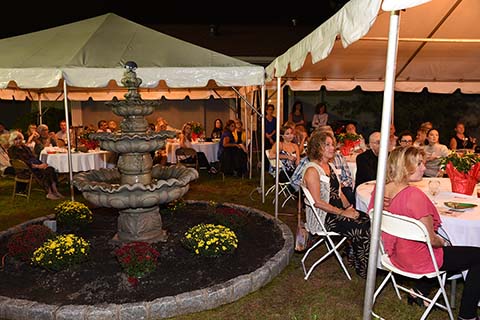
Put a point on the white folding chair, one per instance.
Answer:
(283, 186)
(412, 229)
(324, 236)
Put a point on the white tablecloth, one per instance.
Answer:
(80, 161)
(463, 228)
(209, 148)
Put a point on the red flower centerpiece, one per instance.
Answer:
(463, 170)
(86, 143)
(348, 142)
(197, 131)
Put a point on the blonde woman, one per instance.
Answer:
(289, 153)
(186, 142)
(406, 165)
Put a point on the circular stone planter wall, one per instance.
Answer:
(165, 307)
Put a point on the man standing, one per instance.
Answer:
(368, 160)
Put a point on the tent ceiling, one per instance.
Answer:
(441, 67)
(91, 53)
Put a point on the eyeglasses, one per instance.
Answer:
(406, 141)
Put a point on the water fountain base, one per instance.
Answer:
(140, 224)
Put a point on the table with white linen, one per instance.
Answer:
(209, 148)
(463, 228)
(81, 161)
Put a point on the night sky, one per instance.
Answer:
(20, 17)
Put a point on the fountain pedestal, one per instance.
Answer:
(136, 188)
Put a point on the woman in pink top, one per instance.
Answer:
(406, 165)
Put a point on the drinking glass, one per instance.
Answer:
(433, 189)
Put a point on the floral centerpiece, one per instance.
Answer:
(85, 142)
(73, 215)
(348, 142)
(137, 259)
(210, 240)
(197, 130)
(463, 170)
(61, 252)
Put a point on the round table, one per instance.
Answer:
(463, 228)
(209, 148)
(81, 161)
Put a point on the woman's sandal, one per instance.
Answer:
(411, 299)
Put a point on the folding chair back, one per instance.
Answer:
(187, 157)
(283, 186)
(413, 229)
(324, 236)
(23, 174)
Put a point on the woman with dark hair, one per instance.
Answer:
(233, 156)
(340, 216)
(297, 115)
(406, 165)
(320, 118)
(434, 151)
(44, 173)
(217, 129)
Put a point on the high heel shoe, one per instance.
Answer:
(416, 300)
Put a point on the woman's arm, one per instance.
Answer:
(435, 239)
(453, 144)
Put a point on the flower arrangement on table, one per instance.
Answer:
(62, 252)
(23, 244)
(348, 142)
(73, 215)
(197, 130)
(86, 142)
(463, 169)
(137, 259)
(210, 240)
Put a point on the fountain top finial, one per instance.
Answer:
(130, 81)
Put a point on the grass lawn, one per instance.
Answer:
(327, 294)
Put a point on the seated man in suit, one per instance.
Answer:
(367, 161)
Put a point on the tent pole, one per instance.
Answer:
(40, 113)
(262, 141)
(388, 96)
(69, 147)
(277, 149)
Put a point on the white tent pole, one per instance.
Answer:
(262, 141)
(277, 149)
(69, 147)
(40, 113)
(388, 96)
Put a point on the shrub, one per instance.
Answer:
(62, 252)
(21, 245)
(137, 259)
(210, 240)
(73, 214)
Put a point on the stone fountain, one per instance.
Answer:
(135, 187)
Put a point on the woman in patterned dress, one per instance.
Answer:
(340, 216)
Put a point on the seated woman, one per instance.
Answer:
(434, 151)
(45, 174)
(322, 182)
(217, 129)
(460, 140)
(239, 134)
(405, 165)
(186, 142)
(288, 152)
(5, 167)
(44, 139)
(233, 156)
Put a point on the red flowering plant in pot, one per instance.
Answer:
(463, 169)
(137, 260)
(22, 244)
(197, 131)
(348, 142)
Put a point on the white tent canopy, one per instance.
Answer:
(439, 49)
(89, 55)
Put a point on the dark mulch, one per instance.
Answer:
(100, 280)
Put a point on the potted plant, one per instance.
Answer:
(197, 130)
(462, 169)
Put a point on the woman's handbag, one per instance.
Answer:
(302, 237)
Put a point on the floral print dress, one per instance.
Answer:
(357, 231)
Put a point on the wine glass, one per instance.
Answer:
(433, 189)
